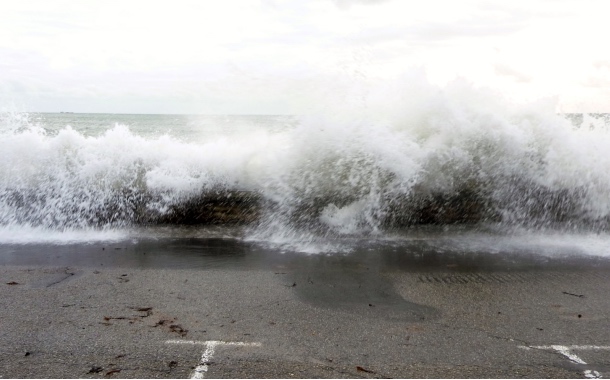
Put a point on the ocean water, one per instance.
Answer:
(457, 169)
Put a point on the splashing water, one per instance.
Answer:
(412, 154)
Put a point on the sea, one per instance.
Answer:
(446, 175)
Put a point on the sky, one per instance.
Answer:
(280, 57)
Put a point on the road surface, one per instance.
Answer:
(214, 308)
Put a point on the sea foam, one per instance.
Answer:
(403, 154)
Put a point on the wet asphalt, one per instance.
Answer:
(222, 308)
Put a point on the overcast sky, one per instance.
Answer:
(270, 57)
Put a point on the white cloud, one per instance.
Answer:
(504, 70)
(240, 53)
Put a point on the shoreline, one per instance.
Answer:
(419, 253)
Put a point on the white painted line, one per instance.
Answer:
(567, 352)
(572, 347)
(216, 342)
(206, 357)
(592, 374)
(202, 366)
(193, 342)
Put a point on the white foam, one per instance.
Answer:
(36, 235)
(545, 243)
(341, 165)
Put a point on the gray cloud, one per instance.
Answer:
(231, 60)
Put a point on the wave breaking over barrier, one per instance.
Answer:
(427, 156)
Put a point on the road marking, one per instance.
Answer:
(567, 352)
(592, 374)
(206, 357)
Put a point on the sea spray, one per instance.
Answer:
(403, 154)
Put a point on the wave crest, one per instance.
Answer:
(425, 157)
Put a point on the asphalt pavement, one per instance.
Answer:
(224, 309)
